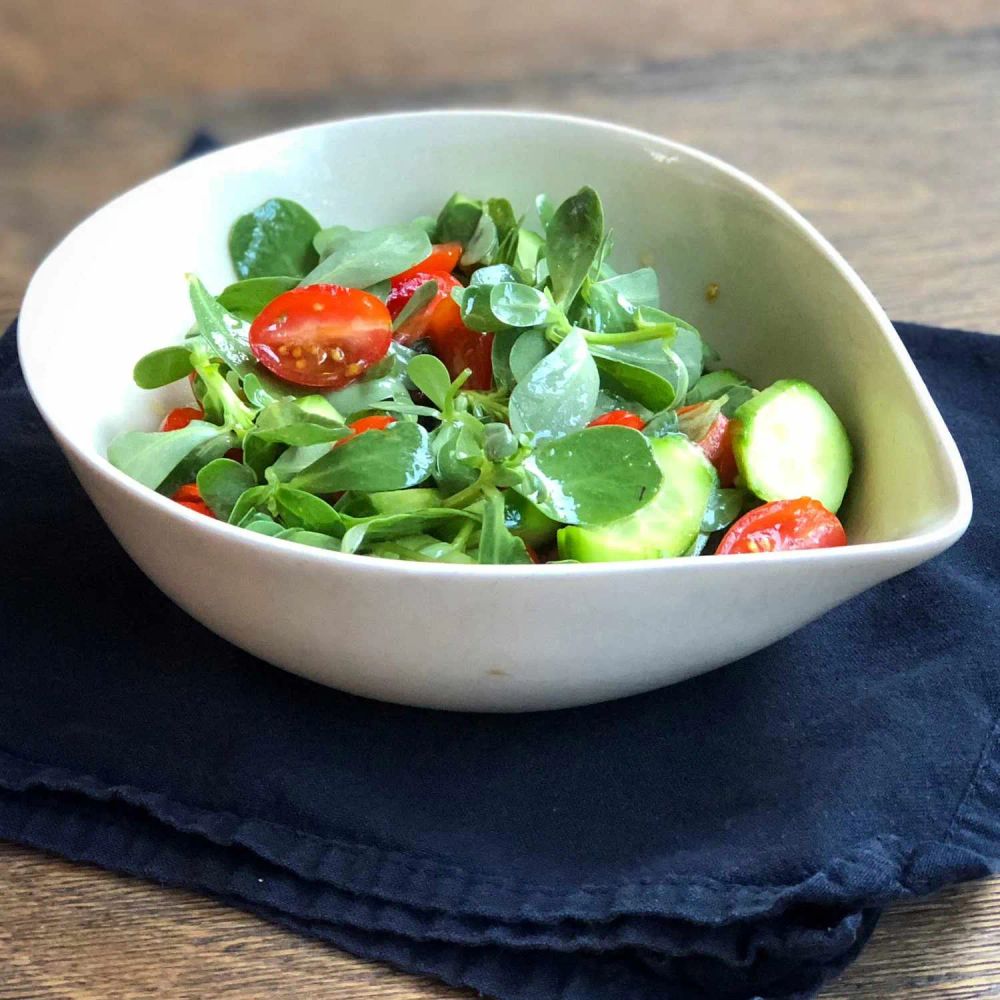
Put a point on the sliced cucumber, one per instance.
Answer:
(789, 443)
(666, 526)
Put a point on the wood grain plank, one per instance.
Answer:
(62, 54)
(890, 148)
(72, 931)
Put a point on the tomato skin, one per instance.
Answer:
(321, 335)
(717, 444)
(378, 422)
(618, 418)
(441, 311)
(441, 323)
(460, 348)
(180, 417)
(782, 526)
(442, 258)
(188, 496)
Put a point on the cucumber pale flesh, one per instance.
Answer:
(666, 526)
(789, 443)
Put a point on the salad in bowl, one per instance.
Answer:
(471, 388)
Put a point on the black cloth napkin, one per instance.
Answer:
(730, 837)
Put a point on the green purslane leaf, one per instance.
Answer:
(475, 310)
(326, 239)
(224, 334)
(308, 420)
(497, 546)
(526, 352)
(494, 274)
(546, 209)
(360, 259)
(724, 507)
(418, 300)
(393, 459)
(299, 509)
(161, 367)
(275, 239)
(150, 457)
(573, 241)
(503, 343)
(483, 243)
(458, 220)
(454, 468)
(594, 476)
(380, 527)
(245, 299)
(724, 383)
(263, 524)
(662, 424)
(311, 538)
(514, 304)
(640, 287)
(192, 463)
(292, 461)
(558, 395)
(431, 377)
(499, 442)
(250, 502)
(221, 483)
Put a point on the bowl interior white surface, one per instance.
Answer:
(788, 306)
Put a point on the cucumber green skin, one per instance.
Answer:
(818, 464)
(666, 526)
(404, 501)
(525, 520)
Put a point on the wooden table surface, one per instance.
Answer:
(880, 121)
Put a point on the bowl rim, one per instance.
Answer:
(916, 548)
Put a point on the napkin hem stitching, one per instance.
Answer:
(241, 832)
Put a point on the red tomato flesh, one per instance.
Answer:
(717, 444)
(460, 348)
(784, 525)
(321, 335)
(440, 322)
(188, 496)
(618, 418)
(177, 419)
(440, 311)
(379, 422)
(443, 257)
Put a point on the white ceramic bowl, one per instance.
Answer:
(494, 638)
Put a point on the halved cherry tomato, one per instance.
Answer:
(782, 525)
(443, 258)
(618, 418)
(717, 444)
(441, 311)
(378, 422)
(188, 496)
(177, 419)
(441, 323)
(321, 335)
(460, 348)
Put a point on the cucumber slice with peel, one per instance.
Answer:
(666, 526)
(789, 443)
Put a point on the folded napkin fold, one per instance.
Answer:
(733, 836)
